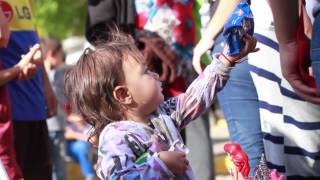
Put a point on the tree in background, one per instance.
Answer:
(60, 18)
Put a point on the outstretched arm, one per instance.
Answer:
(200, 94)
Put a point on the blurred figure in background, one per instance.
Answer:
(53, 61)
(33, 100)
(78, 146)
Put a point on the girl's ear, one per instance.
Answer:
(122, 95)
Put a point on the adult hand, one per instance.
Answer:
(202, 47)
(29, 57)
(27, 63)
(290, 71)
(27, 72)
(4, 29)
(175, 161)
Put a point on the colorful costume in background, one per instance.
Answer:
(239, 24)
(129, 149)
(172, 19)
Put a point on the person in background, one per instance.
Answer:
(286, 30)
(53, 62)
(33, 100)
(285, 123)
(7, 151)
(243, 123)
(78, 147)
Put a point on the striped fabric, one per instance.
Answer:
(291, 126)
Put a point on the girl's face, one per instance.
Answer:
(143, 84)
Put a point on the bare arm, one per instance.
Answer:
(286, 18)
(286, 14)
(220, 17)
(9, 74)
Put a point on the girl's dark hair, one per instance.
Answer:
(90, 83)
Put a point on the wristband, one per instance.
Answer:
(227, 59)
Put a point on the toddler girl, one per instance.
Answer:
(139, 132)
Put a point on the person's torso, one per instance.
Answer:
(27, 97)
(262, 15)
(58, 122)
(156, 137)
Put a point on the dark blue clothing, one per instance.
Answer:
(27, 97)
(79, 151)
(315, 50)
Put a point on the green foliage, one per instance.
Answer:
(60, 18)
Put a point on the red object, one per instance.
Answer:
(7, 151)
(184, 33)
(7, 10)
(68, 108)
(303, 53)
(175, 88)
(162, 2)
(141, 20)
(238, 157)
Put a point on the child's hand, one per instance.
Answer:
(249, 47)
(175, 161)
(202, 47)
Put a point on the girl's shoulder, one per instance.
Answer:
(122, 128)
